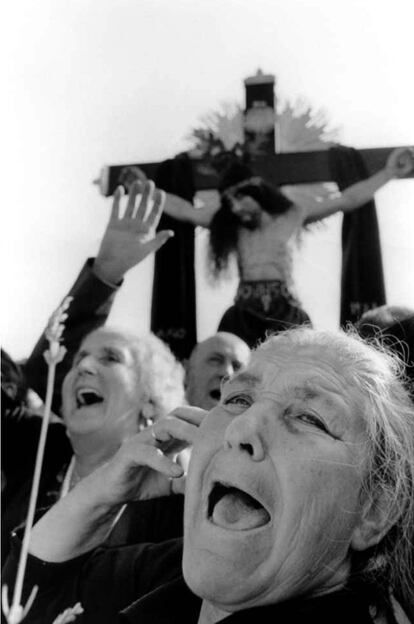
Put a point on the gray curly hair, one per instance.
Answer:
(388, 412)
(160, 375)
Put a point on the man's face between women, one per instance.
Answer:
(216, 357)
(274, 487)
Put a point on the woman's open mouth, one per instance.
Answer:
(85, 397)
(232, 508)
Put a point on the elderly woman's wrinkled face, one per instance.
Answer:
(101, 392)
(274, 488)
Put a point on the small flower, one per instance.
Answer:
(54, 331)
(69, 615)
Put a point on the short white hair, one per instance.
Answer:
(160, 375)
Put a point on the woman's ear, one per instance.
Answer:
(377, 518)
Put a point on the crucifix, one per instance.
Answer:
(175, 277)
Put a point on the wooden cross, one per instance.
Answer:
(277, 168)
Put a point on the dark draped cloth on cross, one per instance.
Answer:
(362, 279)
(173, 310)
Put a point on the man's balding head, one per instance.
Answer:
(212, 359)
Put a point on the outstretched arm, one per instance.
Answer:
(400, 163)
(184, 211)
(174, 206)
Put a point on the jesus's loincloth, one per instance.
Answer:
(261, 308)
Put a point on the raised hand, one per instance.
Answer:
(144, 467)
(131, 237)
(400, 162)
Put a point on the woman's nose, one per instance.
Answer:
(246, 433)
(87, 365)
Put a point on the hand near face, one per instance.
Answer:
(400, 163)
(142, 468)
(144, 465)
(130, 238)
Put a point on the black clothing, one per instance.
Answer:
(174, 603)
(154, 520)
(105, 581)
(362, 280)
(144, 584)
(20, 439)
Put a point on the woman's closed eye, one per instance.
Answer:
(216, 360)
(239, 400)
(111, 357)
(315, 421)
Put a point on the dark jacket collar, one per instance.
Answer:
(174, 603)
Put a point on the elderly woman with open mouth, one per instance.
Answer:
(118, 384)
(299, 501)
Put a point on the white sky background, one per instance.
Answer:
(94, 82)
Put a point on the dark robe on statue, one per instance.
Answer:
(173, 311)
(362, 280)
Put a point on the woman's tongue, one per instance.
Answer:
(239, 512)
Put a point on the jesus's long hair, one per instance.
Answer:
(237, 181)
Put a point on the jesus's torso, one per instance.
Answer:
(266, 253)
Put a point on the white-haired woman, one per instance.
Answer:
(118, 384)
